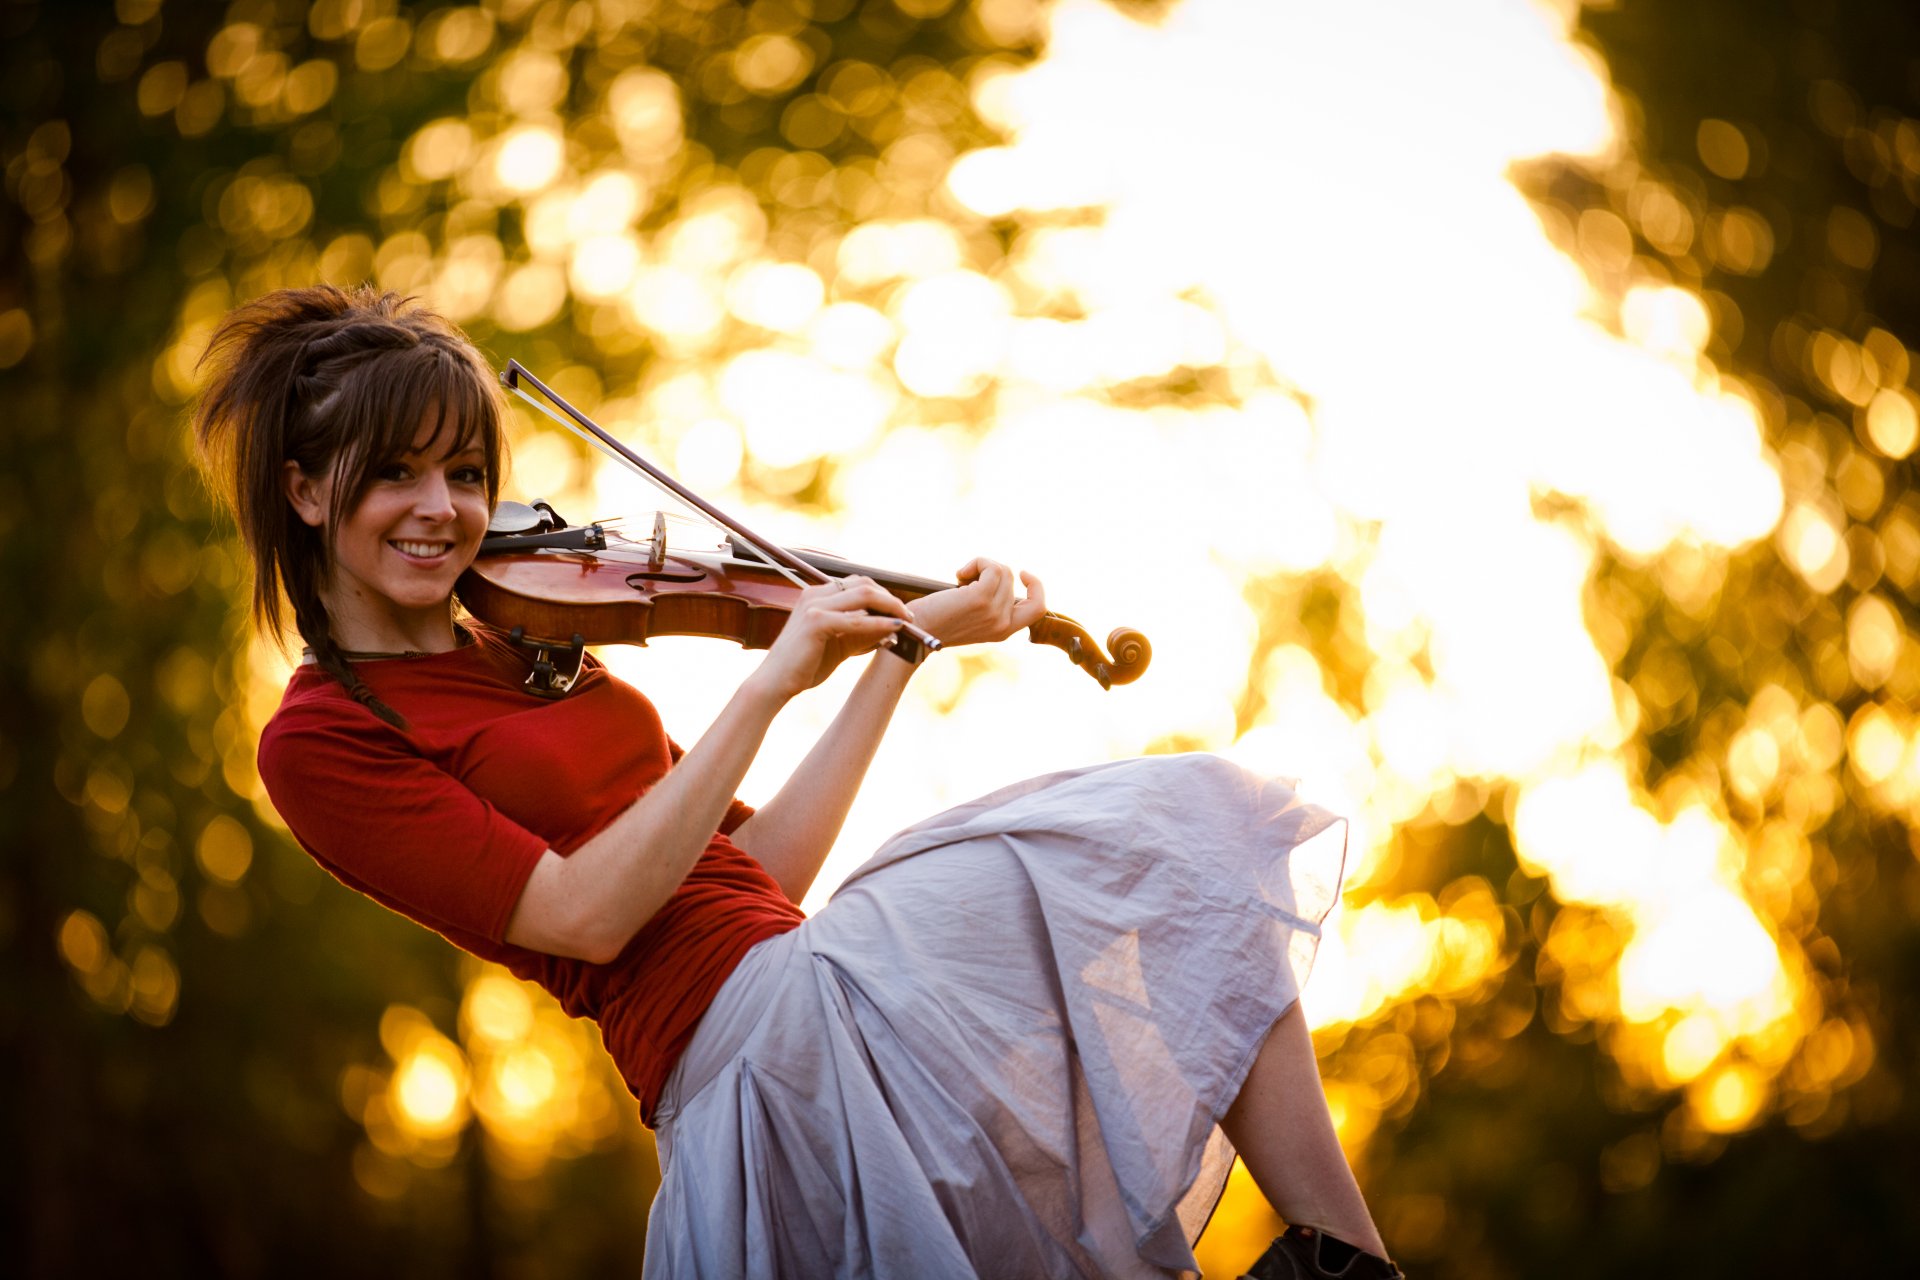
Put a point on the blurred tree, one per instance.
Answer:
(1776, 171)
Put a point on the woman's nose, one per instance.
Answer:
(433, 497)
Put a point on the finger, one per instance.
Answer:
(1003, 602)
(827, 590)
(865, 626)
(862, 595)
(971, 570)
(877, 598)
(857, 631)
(997, 581)
(842, 590)
(1034, 607)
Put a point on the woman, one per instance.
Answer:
(1017, 1043)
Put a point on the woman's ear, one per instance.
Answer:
(309, 497)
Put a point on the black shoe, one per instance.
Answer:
(1305, 1254)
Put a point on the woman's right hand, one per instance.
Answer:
(829, 624)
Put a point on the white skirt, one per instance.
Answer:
(1004, 1047)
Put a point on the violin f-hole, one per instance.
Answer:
(639, 579)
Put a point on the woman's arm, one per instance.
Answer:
(791, 834)
(590, 903)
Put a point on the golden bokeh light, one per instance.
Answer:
(1893, 421)
(528, 158)
(416, 1110)
(542, 1089)
(429, 1086)
(105, 706)
(83, 942)
(497, 1009)
(224, 850)
(1811, 542)
(1723, 148)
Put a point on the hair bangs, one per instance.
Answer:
(428, 398)
(472, 410)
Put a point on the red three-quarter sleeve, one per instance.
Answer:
(390, 823)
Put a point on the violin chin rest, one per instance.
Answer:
(515, 517)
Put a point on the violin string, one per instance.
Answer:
(602, 446)
(719, 556)
(610, 556)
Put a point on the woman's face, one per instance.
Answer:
(397, 553)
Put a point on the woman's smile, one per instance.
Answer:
(428, 554)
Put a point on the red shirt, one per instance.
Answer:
(443, 822)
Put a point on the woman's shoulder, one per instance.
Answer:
(317, 708)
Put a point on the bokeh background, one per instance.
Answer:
(1498, 414)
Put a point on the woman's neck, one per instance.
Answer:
(356, 628)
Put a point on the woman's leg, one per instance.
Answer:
(1281, 1128)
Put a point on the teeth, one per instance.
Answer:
(424, 550)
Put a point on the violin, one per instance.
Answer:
(557, 587)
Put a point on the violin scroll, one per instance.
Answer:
(1131, 653)
(1129, 648)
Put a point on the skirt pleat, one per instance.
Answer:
(1004, 1047)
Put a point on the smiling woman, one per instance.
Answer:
(1025, 1039)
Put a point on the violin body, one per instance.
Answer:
(626, 597)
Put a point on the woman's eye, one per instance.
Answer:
(470, 475)
(392, 471)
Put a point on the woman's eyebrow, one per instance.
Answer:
(471, 451)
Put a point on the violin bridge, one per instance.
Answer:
(657, 553)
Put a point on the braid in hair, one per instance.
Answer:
(337, 383)
(312, 623)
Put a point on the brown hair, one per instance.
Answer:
(333, 380)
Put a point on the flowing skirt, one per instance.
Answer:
(1004, 1047)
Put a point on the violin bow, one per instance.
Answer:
(909, 642)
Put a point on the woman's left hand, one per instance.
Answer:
(982, 609)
